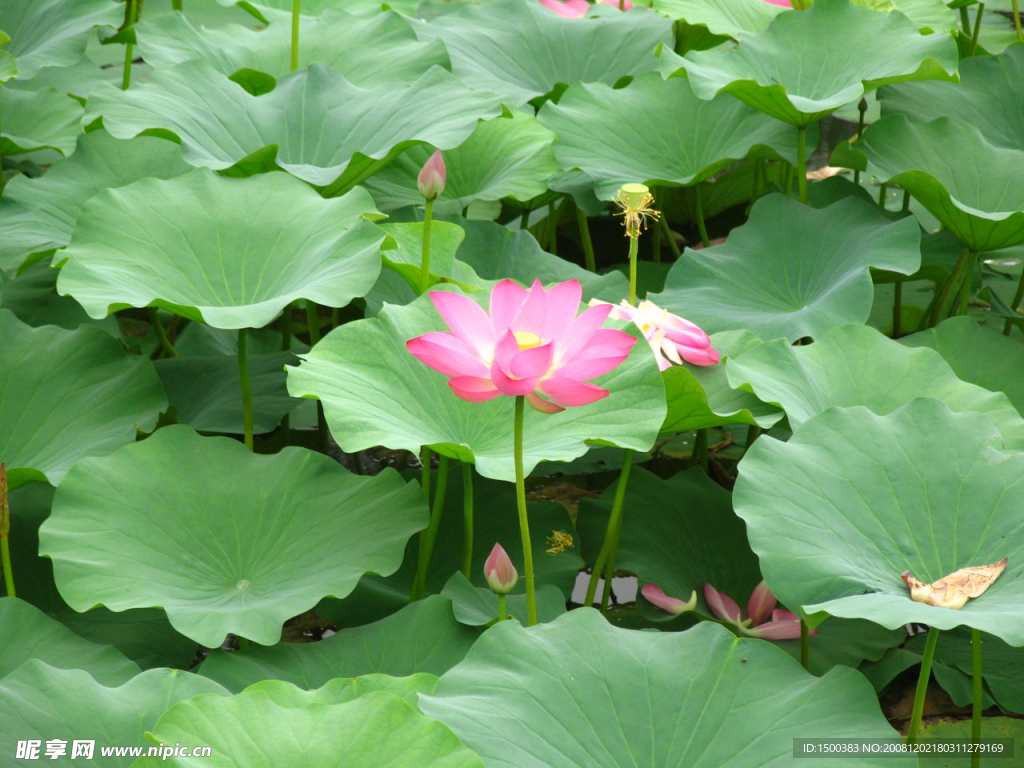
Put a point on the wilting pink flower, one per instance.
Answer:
(784, 625)
(657, 597)
(672, 338)
(574, 9)
(500, 573)
(432, 176)
(531, 344)
(783, 3)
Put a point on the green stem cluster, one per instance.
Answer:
(132, 12)
(931, 641)
(605, 563)
(429, 537)
(524, 522)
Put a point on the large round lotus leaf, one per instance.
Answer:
(988, 96)
(701, 396)
(45, 119)
(477, 606)
(211, 532)
(658, 132)
(792, 270)
(270, 725)
(856, 365)
(377, 50)
(972, 187)
(722, 17)
(790, 73)
(38, 215)
(68, 394)
(229, 252)
(854, 499)
(422, 637)
(220, 124)
(679, 533)
(977, 354)
(361, 8)
(504, 157)
(42, 702)
(521, 49)
(31, 634)
(580, 691)
(52, 33)
(375, 393)
(928, 15)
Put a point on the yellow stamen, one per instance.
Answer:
(635, 201)
(559, 541)
(526, 340)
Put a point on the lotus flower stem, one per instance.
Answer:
(805, 645)
(699, 210)
(428, 216)
(1017, 297)
(672, 244)
(552, 229)
(906, 201)
(296, 8)
(585, 241)
(429, 536)
(758, 179)
(524, 522)
(132, 11)
(502, 615)
(243, 377)
(161, 334)
(612, 530)
(862, 108)
(700, 449)
(177, 5)
(965, 288)
(657, 236)
(897, 310)
(977, 28)
(1016, 21)
(801, 163)
(883, 190)
(467, 518)
(634, 243)
(965, 21)
(5, 532)
(313, 321)
(943, 302)
(977, 694)
(753, 432)
(922, 684)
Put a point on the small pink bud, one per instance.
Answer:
(432, 177)
(762, 603)
(500, 573)
(656, 596)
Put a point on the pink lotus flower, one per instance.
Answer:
(433, 176)
(672, 338)
(531, 344)
(783, 624)
(783, 3)
(574, 9)
(656, 596)
(500, 573)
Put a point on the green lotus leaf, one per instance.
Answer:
(53, 33)
(854, 499)
(844, 641)
(203, 384)
(8, 66)
(361, 8)
(216, 573)
(143, 634)
(33, 120)
(504, 157)
(377, 50)
(987, 96)
(477, 606)
(977, 354)
(375, 393)
(701, 396)
(38, 215)
(658, 131)
(228, 252)
(220, 125)
(792, 270)
(692, 698)
(928, 15)
(270, 725)
(422, 637)
(679, 533)
(31, 635)
(948, 166)
(520, 49)
(42, 702)
(406, 258)
(722, 17)
(787, 72)
(856, 365)
(65, 395)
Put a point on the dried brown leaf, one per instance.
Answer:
(953, 591)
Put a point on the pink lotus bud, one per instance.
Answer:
(432, 176)
(785, 625)
(657, 597)
(722, 606)
(762, 603)
(501, 574)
